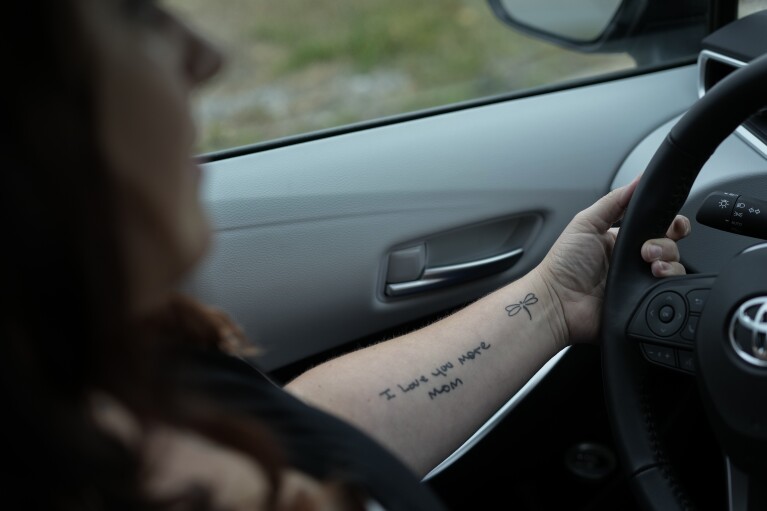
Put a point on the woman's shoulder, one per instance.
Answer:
(180, 462)
(316, 442)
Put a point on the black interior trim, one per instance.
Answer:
(722, 12)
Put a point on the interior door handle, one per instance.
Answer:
(439, 277)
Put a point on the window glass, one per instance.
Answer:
(746, 7)
(296, 66)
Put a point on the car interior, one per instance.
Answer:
(342, 238)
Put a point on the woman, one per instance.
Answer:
(119, 393)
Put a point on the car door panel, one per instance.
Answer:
(303, 233)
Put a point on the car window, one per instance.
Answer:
(746, 7)
(304, 65)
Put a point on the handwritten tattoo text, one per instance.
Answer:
(444, 389)
(438, 377)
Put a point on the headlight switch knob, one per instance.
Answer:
(734, 213)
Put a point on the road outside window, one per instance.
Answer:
(303, 65)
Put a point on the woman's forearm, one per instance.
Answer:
(425, 393)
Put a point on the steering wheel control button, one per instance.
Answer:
(690, 329)
(666, 314)
(697, 299)
(734, 213)
(659, 354)
(686, 360)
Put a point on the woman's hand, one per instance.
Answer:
(575, 269)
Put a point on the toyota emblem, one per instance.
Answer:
(748, 331)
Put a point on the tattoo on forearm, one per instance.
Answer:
(433, 383)
(529, 300)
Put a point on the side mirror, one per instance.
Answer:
(574, 21)
(651, 31)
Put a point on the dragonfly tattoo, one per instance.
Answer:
(514, 309)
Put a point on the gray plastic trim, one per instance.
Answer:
(707, 56)
(737, 487)
(443, 276)
(303, 233)
(754, 248)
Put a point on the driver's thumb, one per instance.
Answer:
(610, 208)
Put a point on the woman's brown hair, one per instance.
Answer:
(64, 328)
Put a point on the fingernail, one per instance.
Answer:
(627, 188)
(660, 267)
(655, 251)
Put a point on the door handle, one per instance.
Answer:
(439, 277)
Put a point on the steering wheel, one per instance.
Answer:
(728, 352)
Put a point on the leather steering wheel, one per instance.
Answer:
(728, 353)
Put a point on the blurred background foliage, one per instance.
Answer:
(295, 66)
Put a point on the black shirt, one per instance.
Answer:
(315, 442)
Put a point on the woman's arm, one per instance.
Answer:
(425, 393)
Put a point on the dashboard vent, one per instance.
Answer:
(714, 67)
